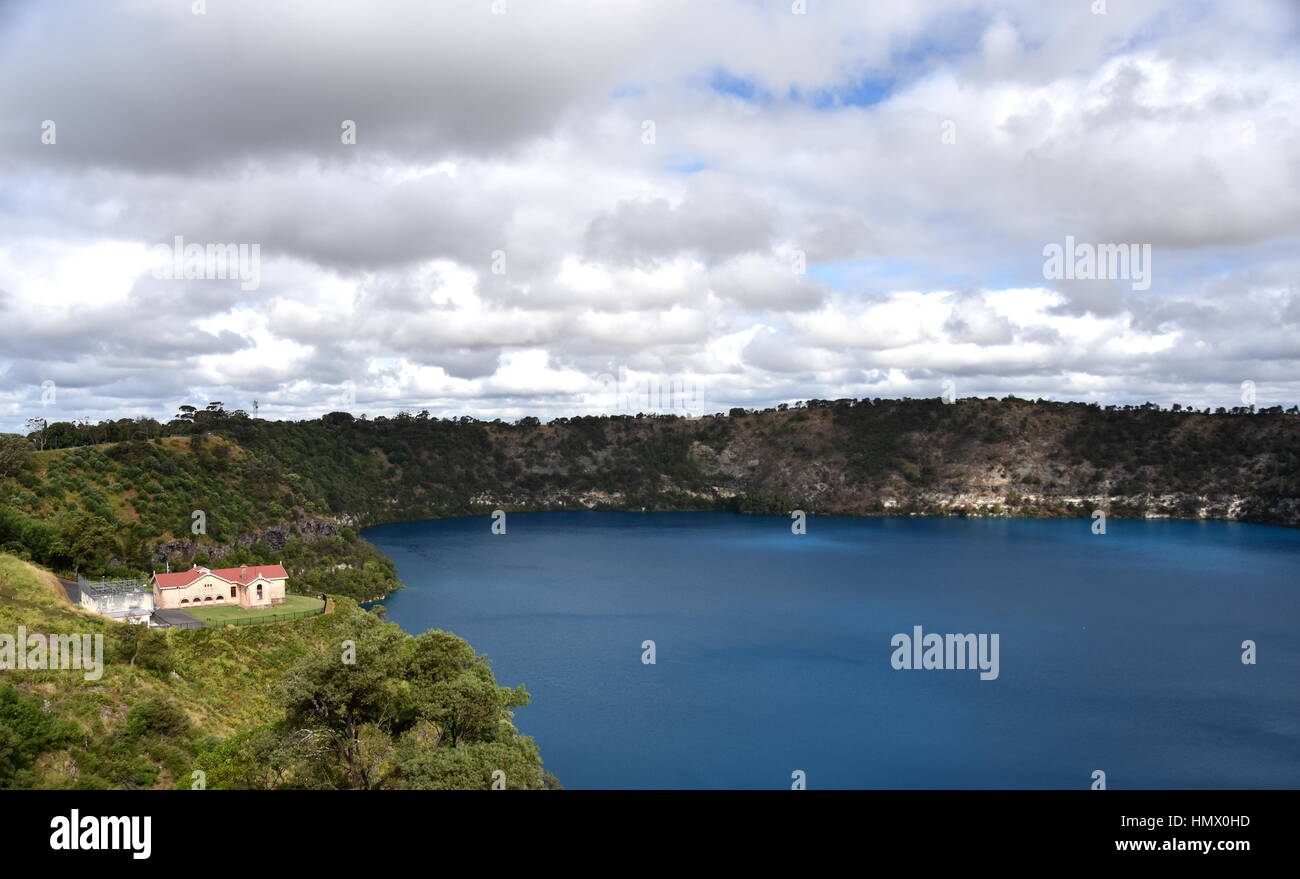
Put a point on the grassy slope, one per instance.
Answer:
(221, 614)
(154, 486)
(145, 494)
(223, 679)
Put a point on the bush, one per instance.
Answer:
(157, 716)
(26, 730)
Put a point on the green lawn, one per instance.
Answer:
(294, 606)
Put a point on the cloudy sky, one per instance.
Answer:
(754, 200)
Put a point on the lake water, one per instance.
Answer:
(1118, 652)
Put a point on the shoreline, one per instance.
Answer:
(361, 532)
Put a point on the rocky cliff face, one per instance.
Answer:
(866, 457)
(972, 457)
(284, 484)
(274, 536)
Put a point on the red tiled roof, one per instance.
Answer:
(230, 575)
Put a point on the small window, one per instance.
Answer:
(259, 591)
(232, 592)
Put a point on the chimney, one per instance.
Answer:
(243, 572)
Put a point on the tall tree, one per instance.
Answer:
(36, 428)
(15, 452)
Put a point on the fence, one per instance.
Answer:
(103, 587)
(110, 597)
(265, 618)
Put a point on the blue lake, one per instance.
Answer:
(1118, 652)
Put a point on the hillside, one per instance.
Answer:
(273, 706)
(868, 457)
(297, 490)
(243, 705)
(128, 508)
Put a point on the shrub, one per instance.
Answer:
(157, 716)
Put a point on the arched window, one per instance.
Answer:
(259, 591)
(185, 601)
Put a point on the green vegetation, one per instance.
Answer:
(253, 706)
(123, 510)
(294, 607)
(419, 712)
(273, 706)
(295, 491)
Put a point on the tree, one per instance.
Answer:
(91, 540)
(36, 427)
(15, 453)
(143, 646)
(346, 700)
(469, 708)
(470, 767)
(386, 719)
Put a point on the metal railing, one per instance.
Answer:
(261, 618)
(105, 586)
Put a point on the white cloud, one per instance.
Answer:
(522, 136)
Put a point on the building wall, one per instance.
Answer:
(248, 593)
(209, 586)
(137, 603)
